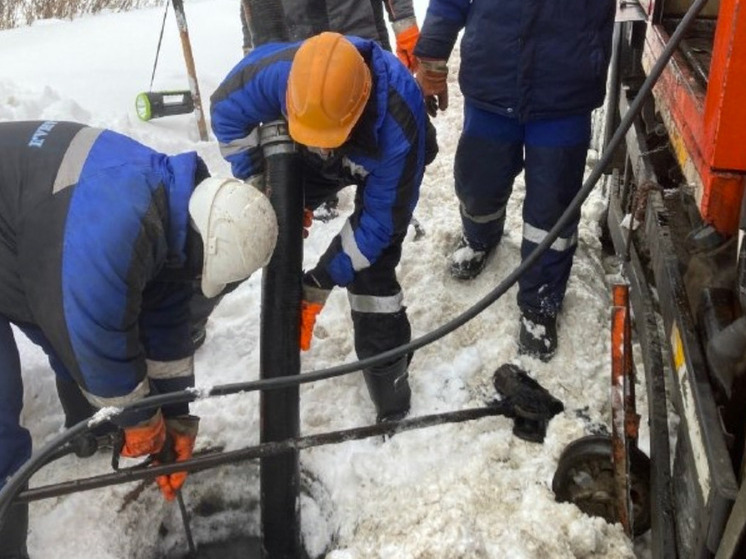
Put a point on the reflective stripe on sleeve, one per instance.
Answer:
(74, 158)
(170, 369)
(141, 391)
(349, 246)
(240, 144)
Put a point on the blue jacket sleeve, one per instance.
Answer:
(252, 93)
(105, 265)
(165, 332)
(390, 194)
(443, 21)
(116, 240)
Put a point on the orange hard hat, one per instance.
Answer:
(328, 87)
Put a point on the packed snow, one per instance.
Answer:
(458, 491)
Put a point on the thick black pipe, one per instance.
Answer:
(266, 21)
(279, 338)
(263, 450)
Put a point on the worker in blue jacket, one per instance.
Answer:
(101, 240)
(358, 117)
(531, 74)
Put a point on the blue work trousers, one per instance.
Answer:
(15, 441)
(492, 151)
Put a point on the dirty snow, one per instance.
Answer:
(462, 491)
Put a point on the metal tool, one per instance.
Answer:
(187, 527)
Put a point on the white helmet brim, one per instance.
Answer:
(238, 227)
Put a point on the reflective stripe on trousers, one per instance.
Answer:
(491, 153)
(376, 303)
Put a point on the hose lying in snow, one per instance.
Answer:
(19, 479)
(263, 450)
(523, 400)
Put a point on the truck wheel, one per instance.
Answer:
(585, 477)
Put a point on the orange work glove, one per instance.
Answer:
(432, 75)
(407, 32)
(144, 438)
(182, 432)
(307, 221)
(314, 298)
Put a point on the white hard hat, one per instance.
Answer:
(238, 228)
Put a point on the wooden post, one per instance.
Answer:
(189, 59)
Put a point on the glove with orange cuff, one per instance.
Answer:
(407, 32)
(432, 75)
(179, 446)
(316, 290)
(144, 438)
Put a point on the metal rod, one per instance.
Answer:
(158, 48)
(185, 520)
(619, 387)
(261, 450)
(186, 46)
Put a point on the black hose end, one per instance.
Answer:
(85, 445)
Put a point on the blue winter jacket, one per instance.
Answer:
(529, 59)
(388, 163)
(91, 222)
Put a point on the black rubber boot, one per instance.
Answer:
(538, 337)
(468, 262)
(389, 389)
(13, 533)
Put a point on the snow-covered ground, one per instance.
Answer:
(470, 490)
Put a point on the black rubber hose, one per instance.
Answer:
(18, 480)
